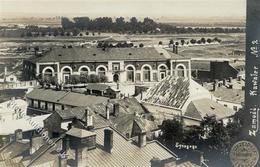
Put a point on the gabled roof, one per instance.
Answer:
(198, 109)
(124, 153)
(171, 91)
(80, 133)
(230, 95)
(79, 54)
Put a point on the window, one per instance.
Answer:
(146, 74)
(116, 66)
(162, 72)
(83, 71)
(180, 71)
(101, 71)
(130, 74)
(66, 72)
(48, 73)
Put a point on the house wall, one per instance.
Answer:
(221, 70)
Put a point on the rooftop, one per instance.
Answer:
(171, 91)
(124, 153)
(81, 133)
(230, 95)
(198, 109)
(77, 54)
(64, 97)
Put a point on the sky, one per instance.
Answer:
(126, 8)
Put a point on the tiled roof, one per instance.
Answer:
(198, 109)
(171, 91)
(81, 133)
(124, 153)
(14, 149)
(78, 54)
(66, 98)
(230, 95)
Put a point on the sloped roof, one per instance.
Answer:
(80, 133)
(14, 149)
(198, 109)
(78, 54)
(230, 95)
(171, 91)
(97, 86)
(124, 153)
(66, 98)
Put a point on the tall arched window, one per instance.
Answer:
(180, 71)
(101, 71)
(130, 74)
(84, 71)
(48, 73)
(146, 74)
(66, 72)
(162, 72)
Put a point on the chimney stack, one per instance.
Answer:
(224, 82)
(5, 72)
(156, 162)
(108, 140)
(173, 48)
(88, 118)
(62, 161)
(18, 135)
(78, 156)
(230, 79)
(116, 109)
(239, 78)
(142, 139)
(215, 85)
(176, 49)
(107, 112)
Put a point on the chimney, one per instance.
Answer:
(5, 72)
(173, 48)
(107, 112)
(117, 86)
(156, 162)
(78, 157)
(18, 135)
(88, 118)
(239, 78)
(142, 139)
(176, 49)
(108, 140)
(62, 161)
(65, 144)
(230, 79)
(116, 109)
(224, 82)
(215, 85)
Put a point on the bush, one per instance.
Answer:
(193, 41)
(160, 43)
(182, 42)
(209, 40)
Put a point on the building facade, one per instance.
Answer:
(117, 64)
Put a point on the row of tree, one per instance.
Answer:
(147, 25)
(49, 81)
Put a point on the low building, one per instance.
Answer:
(42, 101)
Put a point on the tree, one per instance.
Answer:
(160, 43)
(172, 131)
(209, 40)
(171, 42)
(203, 40)
(193, 41)
(74, 79)
(141, 45)
(103, 78)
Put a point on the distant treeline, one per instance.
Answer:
(84, 26)
(148, 25)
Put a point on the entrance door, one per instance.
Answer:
(116, 78)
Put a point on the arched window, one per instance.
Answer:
(162, 71)
(146, 74)
(48, 73)
(101, 71)
(66, 72)
(130, 74)
(84, 71)
(180, 71)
